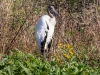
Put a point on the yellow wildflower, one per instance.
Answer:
(66, 56)
(71, 52)
(68, 46)
(98, 8)
(58, 60)
(60, 45)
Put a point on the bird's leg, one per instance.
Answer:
(42, 47)
(42, 51)
(49, 45)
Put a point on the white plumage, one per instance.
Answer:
(45, 29)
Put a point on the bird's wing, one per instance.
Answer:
(49, 34)
(44, 42)
(41, 33)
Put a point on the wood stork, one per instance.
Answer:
(45, 29)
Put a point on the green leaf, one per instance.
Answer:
(27, 71)
(9, 70)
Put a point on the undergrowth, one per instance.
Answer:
(19, 63)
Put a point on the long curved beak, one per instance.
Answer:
(59, 16)
(56, 14)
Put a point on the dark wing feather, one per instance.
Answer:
(43, 43)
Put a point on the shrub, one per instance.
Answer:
(19, 63)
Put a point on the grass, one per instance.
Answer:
(19, 63)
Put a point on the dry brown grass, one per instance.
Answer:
(80, 27)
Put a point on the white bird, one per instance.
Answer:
(45, 29)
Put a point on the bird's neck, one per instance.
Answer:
(51, 15)
(52, 21)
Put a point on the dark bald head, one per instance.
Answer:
(52, 12)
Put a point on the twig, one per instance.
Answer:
(7, 49)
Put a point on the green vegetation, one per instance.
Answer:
(19, 63)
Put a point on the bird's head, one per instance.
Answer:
(52, 12)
